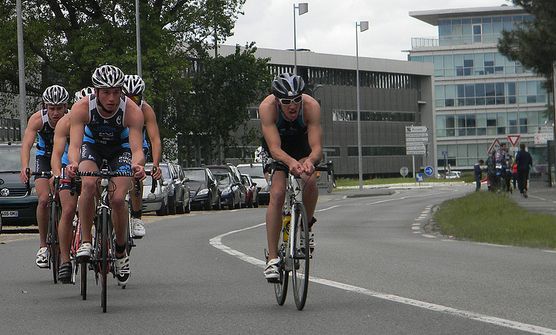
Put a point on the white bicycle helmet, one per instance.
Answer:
(108, 76)
(133, 85)
(55, 95)
(287, 85)
(85, 91)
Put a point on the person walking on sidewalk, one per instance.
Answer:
(524, 163)
(478, 174)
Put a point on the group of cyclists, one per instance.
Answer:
(107, 125)
(506, 173)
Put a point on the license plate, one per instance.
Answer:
(10, 214)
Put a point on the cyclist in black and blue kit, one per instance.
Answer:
(41, 124)
(106, 126)
(133, 88)
(292, 133)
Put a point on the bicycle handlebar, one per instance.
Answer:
(44, 174)
(103, 174)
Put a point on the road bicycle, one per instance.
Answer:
(103, 253)
(52, 241)
(294, 240)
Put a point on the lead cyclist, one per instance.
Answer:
(292, 134)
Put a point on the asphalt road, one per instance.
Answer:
(375, 271)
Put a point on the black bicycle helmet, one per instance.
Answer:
(287, 85)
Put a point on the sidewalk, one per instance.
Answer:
(541, 198)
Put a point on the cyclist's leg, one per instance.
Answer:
(90, 161)
(274, 212)
(119, 209)
(310, 194)
(42, 186)
(69, 204)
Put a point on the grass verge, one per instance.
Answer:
(494, 218)
(381, 181)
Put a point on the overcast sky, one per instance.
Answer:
(329, 26)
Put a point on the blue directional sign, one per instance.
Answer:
(419, 177)
(429, 171)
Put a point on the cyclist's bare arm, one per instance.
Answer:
(61, 133)
(79, 118)
(267, 113)
(153, 133)
(134, 121)
(314, 131)
(33, 126)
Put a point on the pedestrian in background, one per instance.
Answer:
(524, 163)
(478, 174)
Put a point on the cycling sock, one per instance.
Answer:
(136, 214)
(313, 221)
(120, 249)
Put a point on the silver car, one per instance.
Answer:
(255, 170)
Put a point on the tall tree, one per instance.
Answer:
(533, 43)
(65, 40)
(223, 89)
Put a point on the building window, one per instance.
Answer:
(332, 151)
(368, 151)
(340, 115)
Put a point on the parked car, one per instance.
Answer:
(157, 201)
(236, 179)
(182, 198)
(252, 197)
(17, 206)
(175, 189)
(229, 190)
(203, 188)
(255, 170)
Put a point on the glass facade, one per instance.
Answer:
(461, 31)
(342, 115)
(471, 64)
(480, 95)
(492, 93)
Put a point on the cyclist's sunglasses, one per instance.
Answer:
(136, 98)
(295, 100)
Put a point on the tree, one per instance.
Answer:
(533, 43)
(223, 89)
(65, 41)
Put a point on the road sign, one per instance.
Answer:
(513, 139)
(416, 129)
(429, 171)
(494, 145)
(419, 177)
(404, 171)
(415, 139)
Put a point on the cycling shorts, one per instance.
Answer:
(42, 164)
(117, 158)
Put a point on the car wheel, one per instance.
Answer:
(181, 208)
(172, 205)
(163, 209)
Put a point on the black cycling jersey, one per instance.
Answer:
(106, 130)
(45, 136)
(294, 139)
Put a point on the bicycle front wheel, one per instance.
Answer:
(53, 245)
(281, 288)
(105, 240)
(301, 256)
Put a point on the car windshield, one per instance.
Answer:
(255, 172)
(195, 175)
(11, 160)
(223, 179)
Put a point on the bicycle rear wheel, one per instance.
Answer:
(53, 245)
(301, 256)
(105, 240)
(83, 270)
(281, 288)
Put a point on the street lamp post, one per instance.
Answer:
(302, 8)
(138, 39)
(362, 25)
(21, 69)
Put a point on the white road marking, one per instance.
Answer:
(217, 243)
